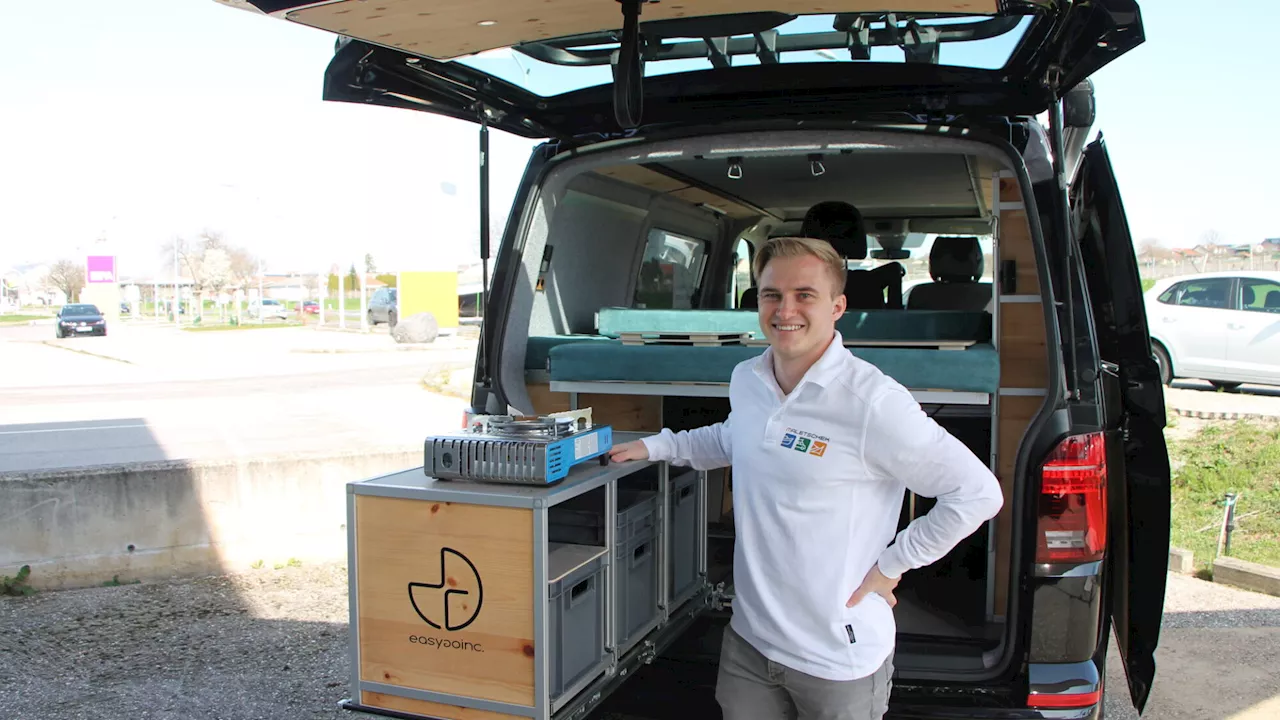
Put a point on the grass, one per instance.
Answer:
(1148, 283)
(1243, 458)
(22, 318)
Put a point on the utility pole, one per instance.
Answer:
(177, 303)
(342, 301)
(364, 299)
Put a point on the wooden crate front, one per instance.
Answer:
(422, 562)
(430, 709)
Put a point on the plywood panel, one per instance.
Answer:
(643, 177)
(1015, 245)
(1023, 350)
(430, 709)
(1015, 415)
(699, 196)
(452, 28)
(633, 413)
(480, 562)
(1010, 191)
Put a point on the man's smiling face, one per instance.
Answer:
(799, 305)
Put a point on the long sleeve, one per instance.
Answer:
(905, 444)
(704, 448)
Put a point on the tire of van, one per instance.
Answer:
(372, 322)
(1162, 362)
(391, 320)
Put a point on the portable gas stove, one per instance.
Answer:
(536, 450)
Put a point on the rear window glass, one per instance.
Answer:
(670, 271)
(568, 64)
(1210, 293)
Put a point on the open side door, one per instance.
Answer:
(1139, 496)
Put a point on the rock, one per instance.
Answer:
(420, 328)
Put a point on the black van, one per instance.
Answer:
(1003, 288)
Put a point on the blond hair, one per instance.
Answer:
(800, 246)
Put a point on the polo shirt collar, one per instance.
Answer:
(821, 373)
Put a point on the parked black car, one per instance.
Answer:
(675, 146)
(79, 319)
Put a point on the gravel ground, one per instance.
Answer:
(272, 644)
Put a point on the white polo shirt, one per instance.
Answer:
(819, 477)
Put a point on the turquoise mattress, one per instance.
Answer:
(976, 369)
(862, 324)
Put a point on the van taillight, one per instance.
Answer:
(1073, 501)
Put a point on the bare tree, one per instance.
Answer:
(68, 276)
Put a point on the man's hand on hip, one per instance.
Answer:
(875, 582)
(634, 450)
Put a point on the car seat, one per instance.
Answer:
(955, 264)
(840, 224)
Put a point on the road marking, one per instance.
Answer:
(72, 429)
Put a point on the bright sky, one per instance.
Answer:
(139, 120)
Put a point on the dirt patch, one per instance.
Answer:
(265, 644)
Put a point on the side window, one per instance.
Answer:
(739, 273)
(1211, 293)
(1259, 295)
(670, 272)
(1168, 296)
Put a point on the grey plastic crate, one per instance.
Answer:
(581, 520)
(636, 573)
(575, 624)
(682, 544)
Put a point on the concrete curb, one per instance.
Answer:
(82, 351)
(79, 527)
(1215, 415)
(1247, 575)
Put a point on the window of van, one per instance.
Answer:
(671, 270)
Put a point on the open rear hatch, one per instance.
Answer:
(571, 68)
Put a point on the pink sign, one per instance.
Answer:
(101, 269)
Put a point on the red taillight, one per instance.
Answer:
(1071, 700)
(1073, 501)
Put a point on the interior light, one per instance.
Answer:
(487, 23)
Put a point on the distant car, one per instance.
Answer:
(79, 319)
(268, 308)
(311, 307)
(1223, 327)
(383, 307)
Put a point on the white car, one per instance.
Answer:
(269, 309)
(1223, 327)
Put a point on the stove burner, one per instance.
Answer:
(530, 426)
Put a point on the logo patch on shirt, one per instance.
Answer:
(805, 442)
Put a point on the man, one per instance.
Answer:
(823, 446)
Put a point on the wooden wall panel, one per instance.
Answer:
(484, 555)
(1023, 347)
(430, 709)
(1015, 245)
(630, 413)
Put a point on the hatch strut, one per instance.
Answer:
(628, 69)
(1061, 206)
(483, 305)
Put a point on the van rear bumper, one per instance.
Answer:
(934, 712)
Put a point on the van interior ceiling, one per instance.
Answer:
(687, 219)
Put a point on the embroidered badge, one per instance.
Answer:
(803, 444)
(818, 448)
(788, 440)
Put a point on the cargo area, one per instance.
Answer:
(634, 297)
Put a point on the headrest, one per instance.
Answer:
(1272, 301)
(840, 224)
(1247, 295)
(955, 259)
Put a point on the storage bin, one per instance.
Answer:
(682, 541)
(575, 613)
(636, 573)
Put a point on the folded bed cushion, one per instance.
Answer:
(975, 369)
(946, 325)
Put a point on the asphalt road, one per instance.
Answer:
(63, 407)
